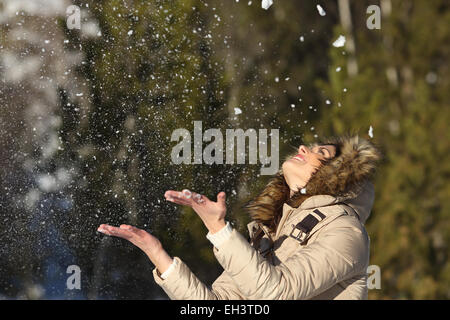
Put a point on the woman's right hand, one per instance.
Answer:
(212, 213)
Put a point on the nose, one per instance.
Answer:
(303, 149)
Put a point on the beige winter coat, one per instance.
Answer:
(330, 265)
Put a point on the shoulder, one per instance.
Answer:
(336, 224)
(332, 216)
(347, 224)
(347, 236)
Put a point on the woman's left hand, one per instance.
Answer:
(143, 240)
(212, 213)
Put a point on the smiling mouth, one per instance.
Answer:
(299, 157)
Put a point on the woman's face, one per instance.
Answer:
(298, 169)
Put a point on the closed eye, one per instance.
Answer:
(322, 151)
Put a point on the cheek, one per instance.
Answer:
(314, 163)
(307, 171)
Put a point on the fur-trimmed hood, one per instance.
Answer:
(344, 178)
(360, 203)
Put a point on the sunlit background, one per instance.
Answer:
(87, 115)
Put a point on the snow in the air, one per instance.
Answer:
(265, 4)
(321, 11)
(371, 132)
(340, 42)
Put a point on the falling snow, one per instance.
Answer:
(265, 4)
(339, 42)
(321, 11)
(371, 132)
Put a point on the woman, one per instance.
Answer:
(307, 233)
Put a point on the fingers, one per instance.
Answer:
(221, 197)
(124, 233)
(177, 197)
(187, 194)
(198, 198)
(103, 228)
(184, 197)
(129, 228)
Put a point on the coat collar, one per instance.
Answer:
(361, 203)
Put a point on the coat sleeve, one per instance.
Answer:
(337, 254)
(182, 284)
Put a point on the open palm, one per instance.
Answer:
(212, 213)
(140, 238)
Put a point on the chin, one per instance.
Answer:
(291, 165)
(287, 167)
(291, 171)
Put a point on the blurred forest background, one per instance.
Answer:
(87, 115)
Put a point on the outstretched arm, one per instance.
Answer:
(180, 282)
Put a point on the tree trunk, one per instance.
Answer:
(345, 17)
